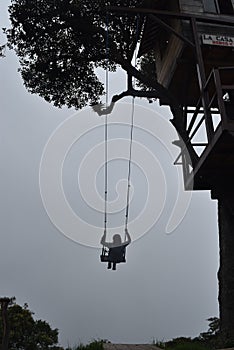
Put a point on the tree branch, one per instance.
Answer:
(162, 94)
(135, 93)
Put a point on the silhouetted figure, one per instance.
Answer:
(117, 249)
(229, 104)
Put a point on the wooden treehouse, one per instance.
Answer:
(193, 47)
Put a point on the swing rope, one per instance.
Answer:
(106, 126)
(129, 166)
(106, 173)
(131, 140)
(106, 137)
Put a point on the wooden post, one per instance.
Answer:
(225, 199)
(226, 269)
(202, 80)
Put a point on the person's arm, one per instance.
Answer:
(128, 238)
(103, 240)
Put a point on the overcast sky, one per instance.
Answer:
(167, 288)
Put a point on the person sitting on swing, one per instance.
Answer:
(116, 248)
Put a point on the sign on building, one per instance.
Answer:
(218, 40)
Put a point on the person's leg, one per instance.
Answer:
(109, 265)
(114, 266)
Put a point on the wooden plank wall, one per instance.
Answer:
(192, 6)
(196, 6)
(166, 65)
(169, 62)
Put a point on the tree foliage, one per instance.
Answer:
(209, 340)
(27, 333)
(94, 345)
(213, 330)
(60, 43)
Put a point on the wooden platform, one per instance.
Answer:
(110, 346)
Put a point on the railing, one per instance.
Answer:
(209, 115)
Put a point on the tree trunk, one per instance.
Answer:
(5, 337)
(226, 269)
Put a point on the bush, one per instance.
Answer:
(94, 345)
(183, 343)
(187, 346)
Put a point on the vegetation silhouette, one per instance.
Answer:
(61, 43)
(25, 333)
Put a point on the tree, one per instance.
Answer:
(5, 302)
(61, 43)
(27, 333)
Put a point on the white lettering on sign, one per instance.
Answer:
(219, 40)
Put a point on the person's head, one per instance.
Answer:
(117, 239)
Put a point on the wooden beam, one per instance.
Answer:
(202, 80)
(171, 30)
(216, 19)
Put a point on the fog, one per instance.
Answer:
(167, 288)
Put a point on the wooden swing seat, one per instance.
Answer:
(104, 257)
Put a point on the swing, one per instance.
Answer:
(116, 254)
(104, 257)
(105, 254)
(118, 251)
